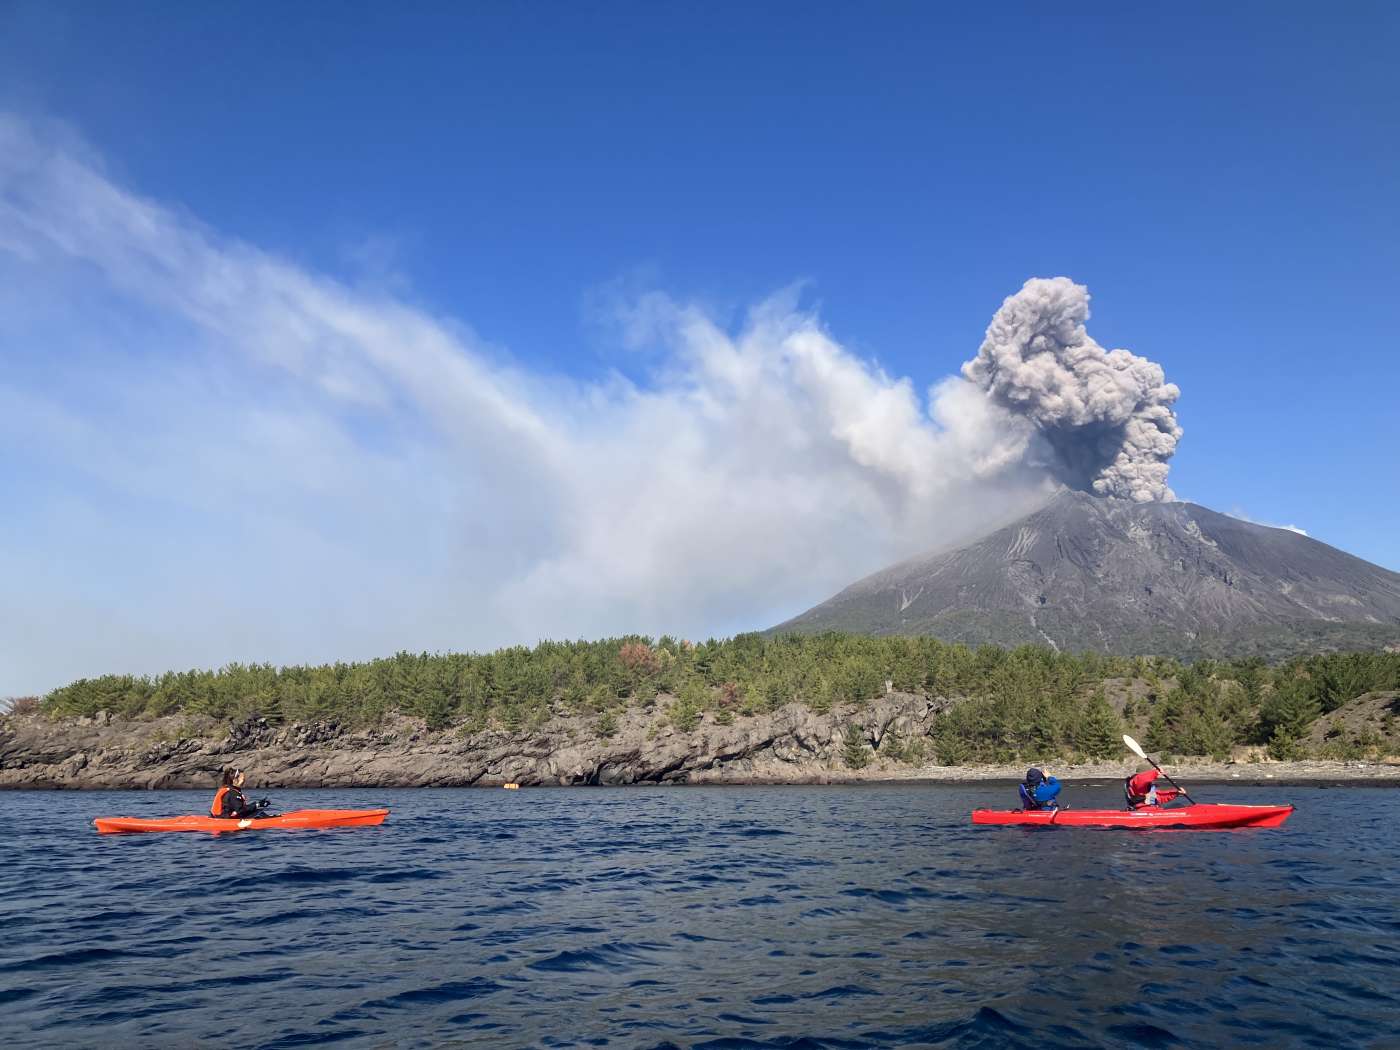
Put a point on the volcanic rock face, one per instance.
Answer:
(791, 745)
(1111, 575)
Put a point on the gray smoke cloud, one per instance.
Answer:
(1106, 415)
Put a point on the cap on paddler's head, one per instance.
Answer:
(1144, 766)
(1034, 776)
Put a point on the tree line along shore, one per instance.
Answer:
(1007, 704)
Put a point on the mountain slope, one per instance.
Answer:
(1085, 572)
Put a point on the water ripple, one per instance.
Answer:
(720, 918)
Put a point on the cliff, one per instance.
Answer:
(790, 745)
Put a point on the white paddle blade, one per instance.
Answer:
(1134, 746)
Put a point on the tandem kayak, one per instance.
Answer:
(294, 821)
(1205, 816)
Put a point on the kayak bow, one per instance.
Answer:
(294, 821)
(1204, 816)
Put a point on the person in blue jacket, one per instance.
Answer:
(1039, 791)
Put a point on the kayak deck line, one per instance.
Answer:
(1204, 816)
(297, 820)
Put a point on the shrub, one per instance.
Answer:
(1284, 747)
(856, 753)
(822, 698)
(684, 714)
(892, 746)
(638, 657)
(915, 752)
(952, 750)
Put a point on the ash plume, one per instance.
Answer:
(1106, 415)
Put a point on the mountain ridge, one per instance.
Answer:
(1086, 572)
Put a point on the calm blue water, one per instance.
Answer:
(712, 917)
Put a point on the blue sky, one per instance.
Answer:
(585, 200)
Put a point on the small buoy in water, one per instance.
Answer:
(511, 787)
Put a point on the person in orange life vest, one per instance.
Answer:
(1141, 787)
(229, 800)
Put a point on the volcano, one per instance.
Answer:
(1092, 573)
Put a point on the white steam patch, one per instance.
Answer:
(1105, 414)
(215, 454)
(1239, 514)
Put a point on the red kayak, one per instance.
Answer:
(294, 821)
(1204, 816)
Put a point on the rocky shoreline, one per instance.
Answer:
(793, 745)
(1191, 771)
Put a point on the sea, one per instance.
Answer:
(714, 917)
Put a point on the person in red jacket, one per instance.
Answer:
(1141, 787)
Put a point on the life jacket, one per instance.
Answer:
(216, 809)
(1030, 802)
(1136, 801)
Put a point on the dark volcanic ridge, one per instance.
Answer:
(1110, 575)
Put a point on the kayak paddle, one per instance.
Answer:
(1136, 749)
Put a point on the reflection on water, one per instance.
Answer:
(716, 917)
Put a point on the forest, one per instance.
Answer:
(1028, 701)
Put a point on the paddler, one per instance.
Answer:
(1039, 791)
(1141, 787)
(229, 800)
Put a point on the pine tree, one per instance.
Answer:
(892, 746)
(856, 753)
(1100, 731)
